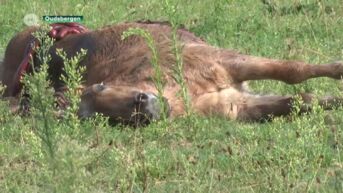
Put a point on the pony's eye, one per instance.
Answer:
(99, 87)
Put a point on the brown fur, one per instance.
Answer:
(214, 76)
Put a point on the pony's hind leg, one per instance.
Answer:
(263, 108)
(244, 67)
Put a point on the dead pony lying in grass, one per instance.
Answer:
(118, 81)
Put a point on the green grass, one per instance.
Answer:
(193, 154)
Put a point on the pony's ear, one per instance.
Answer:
(80, 89)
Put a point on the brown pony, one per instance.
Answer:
(118, 79)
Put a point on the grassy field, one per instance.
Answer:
(191, 154)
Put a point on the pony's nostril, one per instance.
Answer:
(141, 97)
